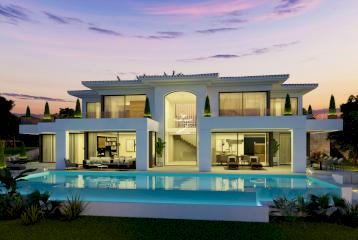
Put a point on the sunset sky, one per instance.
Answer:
(49, 47)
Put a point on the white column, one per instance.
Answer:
(299, 105)
(61, 149)
(298, 152)
(84, 107)
(204, 153)
(142, 150)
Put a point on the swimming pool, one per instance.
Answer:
(178, 188)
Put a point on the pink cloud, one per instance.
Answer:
(214, 7)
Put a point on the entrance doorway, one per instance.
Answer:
(180, 129)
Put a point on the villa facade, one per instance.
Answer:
(247, 119)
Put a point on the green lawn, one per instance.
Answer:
(130, 228)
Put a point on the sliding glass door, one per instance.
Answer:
(244, 146)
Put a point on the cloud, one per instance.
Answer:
(235, 21)
(282, 9)
(251, 52)
(61, 19)
(289, 8)
(208, 8)
(225, 56)
(216, 30)
(31, 97)
(162, 35)
(104, 31)
(14, 13)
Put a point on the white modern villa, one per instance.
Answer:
(247, 117)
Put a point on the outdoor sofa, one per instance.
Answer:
(120, 163)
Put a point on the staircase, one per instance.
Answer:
(188, 139)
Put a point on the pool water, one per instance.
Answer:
(179, 188)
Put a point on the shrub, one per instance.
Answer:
(159, 146)
(23, 154)
(322, 208)
(31, 215)
(73, 207)
(12, 206)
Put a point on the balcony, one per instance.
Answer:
(122, 114)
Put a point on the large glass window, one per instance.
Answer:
(245, 147)
(48, 148)
(76, 148)
(243, 104)
(131, 106)
(277, 106)
(112, 144)
(93, 110)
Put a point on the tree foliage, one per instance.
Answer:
(347, 140)
(66, 113)
(159, 146)
(9, 123)
(10, 182)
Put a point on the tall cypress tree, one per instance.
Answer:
(288, 108)
(147, 112)
(309, 112)
(78, 112)
(47, 115)
(207, 110)
(332, 107)
(28, 112)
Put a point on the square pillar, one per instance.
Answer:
(142, 150)
(61, 149)
(204, 153)
(298, 151)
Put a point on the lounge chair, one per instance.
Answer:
(328, 163)
(338, 163)
(70, 165)
(232, 163)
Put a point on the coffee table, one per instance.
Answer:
(102, 166)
